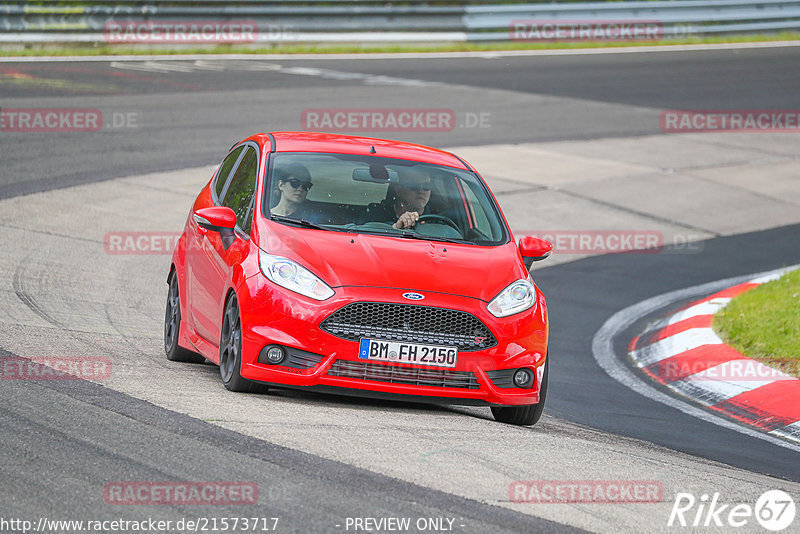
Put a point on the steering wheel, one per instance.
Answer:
(439, 218)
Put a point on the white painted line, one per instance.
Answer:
(789, 431)
(410, 55)
(745, 369)
(368, 79)
(768, 278)
(209, 65)
(720, 390)
(162, 67)
(672, 345)
(155, 66)
(709, 307)
(607, 359)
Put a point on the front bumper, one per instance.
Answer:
(272, 315)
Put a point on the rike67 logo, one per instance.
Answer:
(774, 510)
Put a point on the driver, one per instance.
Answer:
(405, 201)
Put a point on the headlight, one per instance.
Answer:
(293, 276)
(517, 297)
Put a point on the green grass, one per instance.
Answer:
(764, 323)
(112, 50)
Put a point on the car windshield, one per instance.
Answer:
(369, 194)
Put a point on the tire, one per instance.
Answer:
(524, 415)
(230, 351)
(172, 327)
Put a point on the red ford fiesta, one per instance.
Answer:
(359, 266)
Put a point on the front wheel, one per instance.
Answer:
(230, 351)
(524, 415)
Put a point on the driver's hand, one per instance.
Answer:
(407, 220)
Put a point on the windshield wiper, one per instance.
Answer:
(395, 232)
(414, 235)
(300, 222)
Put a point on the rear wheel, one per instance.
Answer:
(230, 351)
(524, 415)
(172, 327)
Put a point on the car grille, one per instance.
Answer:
(403, 375)
(406, 322)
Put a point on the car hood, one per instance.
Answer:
(345, 259)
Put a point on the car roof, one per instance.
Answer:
(349, 144)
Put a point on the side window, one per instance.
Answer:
(225, 170)
(242, 188)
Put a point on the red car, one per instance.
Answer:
(359, 266)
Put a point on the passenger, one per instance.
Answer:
(294, 182)
(405, 201)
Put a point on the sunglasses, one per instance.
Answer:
(295, 183)
(418, 187)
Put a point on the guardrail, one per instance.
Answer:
(287, 21)
(678, 18)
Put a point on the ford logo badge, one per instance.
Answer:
(413, 296)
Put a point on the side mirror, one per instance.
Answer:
(218, 219)
(534, 249)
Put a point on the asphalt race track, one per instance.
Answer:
(549, 123)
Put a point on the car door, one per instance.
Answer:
(211, 261)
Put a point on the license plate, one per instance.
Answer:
(413, 353)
